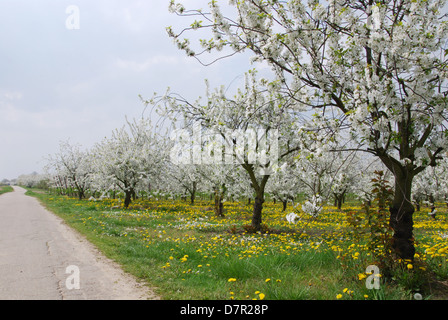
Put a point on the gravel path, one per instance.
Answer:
(41, 258)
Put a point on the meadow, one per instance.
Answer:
(5, 189)
(186, 252)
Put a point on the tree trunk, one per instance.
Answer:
(338, 200)
(127, 198)
(193, 192)
(256, 215)
(401, 212)
(219, 206)
(81, 194)
(285, 203)
(259, 187)
(432, 202)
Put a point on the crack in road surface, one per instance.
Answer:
(41, 258)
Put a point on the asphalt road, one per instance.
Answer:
(41, 258)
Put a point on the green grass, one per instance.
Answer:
(187, 253)
(5, 189)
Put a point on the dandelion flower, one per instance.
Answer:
(339, 296)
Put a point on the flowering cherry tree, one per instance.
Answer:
(284, 184)
(186, 179)
(33, 180)
(129, 159)
(363, 185)
(70, 169)
(430, 186)
(378, 67)
(255, 126)
(221, 180)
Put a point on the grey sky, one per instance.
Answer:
(57, 83)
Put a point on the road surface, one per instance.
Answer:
(41, 258)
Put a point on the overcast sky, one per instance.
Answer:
(57, 83)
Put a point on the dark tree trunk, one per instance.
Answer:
(219, 206)
(258, 186)
(401, 212)
(285, 203)
(432, 201)
(193, 192)
(127, 198)
(339, 199)
(256, 215)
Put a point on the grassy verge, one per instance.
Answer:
(5, 189)
(187, 253)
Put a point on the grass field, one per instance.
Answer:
(187, 253)
(5, 189)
